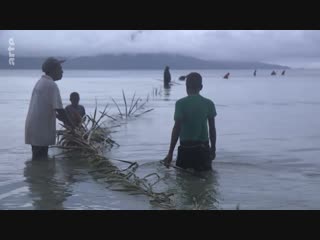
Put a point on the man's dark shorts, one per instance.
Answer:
(195, 155)
(39, 152)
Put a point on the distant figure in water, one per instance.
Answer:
(166, 77)
(75, 111)
(226, 76)
(182, 78)
(255, 73)
(283, 72)
(273, 73)
(193, 114)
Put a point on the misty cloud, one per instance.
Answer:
(287, 47)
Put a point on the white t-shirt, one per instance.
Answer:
(40, 128)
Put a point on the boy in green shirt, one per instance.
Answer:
(192, 115)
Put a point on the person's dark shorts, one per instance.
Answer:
(39, 152)
(195, 155)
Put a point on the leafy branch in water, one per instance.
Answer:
(92, 139)
(135, 109)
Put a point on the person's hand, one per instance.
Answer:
(58, 116)
(212, 153)
(167, 160)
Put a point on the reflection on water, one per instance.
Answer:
(192, 190)
(48, 190)
(50, 184)
(198, 191)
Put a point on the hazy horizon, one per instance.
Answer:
(294, 48)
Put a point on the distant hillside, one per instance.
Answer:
(139, 61)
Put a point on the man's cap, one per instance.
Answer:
(50, 64)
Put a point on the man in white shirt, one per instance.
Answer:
(40, 128)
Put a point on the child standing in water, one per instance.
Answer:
(75, 111)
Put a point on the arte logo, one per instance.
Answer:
(11, 49)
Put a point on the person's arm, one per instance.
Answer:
(63, 117)
(84, 113)
(57, 106)
(213, 137)
(174, 139)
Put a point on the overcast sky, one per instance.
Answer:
(296, 48)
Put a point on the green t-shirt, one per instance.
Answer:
(193, 112)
